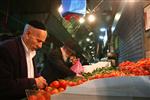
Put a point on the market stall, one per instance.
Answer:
(130, 81)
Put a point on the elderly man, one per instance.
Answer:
(17, 68)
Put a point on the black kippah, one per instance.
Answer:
(37, 24)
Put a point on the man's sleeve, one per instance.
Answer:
(11, 85)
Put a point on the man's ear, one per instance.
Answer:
(28, 33)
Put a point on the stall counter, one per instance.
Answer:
(116, 88)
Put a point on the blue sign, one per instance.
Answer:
(73, 6)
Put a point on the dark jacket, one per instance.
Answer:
(56, 68)
(13, 70)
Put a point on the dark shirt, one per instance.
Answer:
(13, 70)
(57, 68)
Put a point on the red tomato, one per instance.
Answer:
(54, 91)
(48, 89)
(55, 84)
(41, 97)
(71, 83)
(61, 89)
(97, 76)
(146, 72)
(63, 83)
(47, 95)
(84, 80)
(79, 82)
(32, 97)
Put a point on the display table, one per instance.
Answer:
(116, 88)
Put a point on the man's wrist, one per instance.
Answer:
(34, 86)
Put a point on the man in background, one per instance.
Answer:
(58, 66)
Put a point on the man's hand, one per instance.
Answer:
(41, 82)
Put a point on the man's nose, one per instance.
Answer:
(40, 45)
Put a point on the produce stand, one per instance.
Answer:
(115, 88)
(128, 81)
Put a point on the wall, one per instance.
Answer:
(130, 30)
(147, 43)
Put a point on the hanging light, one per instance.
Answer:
(81, 20)
(91, 33)
(102, 29)
(60, 9)
(87, 39)
(101, 37)
(91, 18)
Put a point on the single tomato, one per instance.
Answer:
(32, 97)
(61, 89)
(48, 89)
(63, 83)
(55, 84)
(71, 83)
(55, 91)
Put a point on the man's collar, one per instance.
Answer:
(33, 53)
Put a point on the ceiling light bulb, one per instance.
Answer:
(101, 37)
(91, 18)
(87, 39)
(60, 9)
(80, 42)
(102, 29)
(90, 47)
(81, 20)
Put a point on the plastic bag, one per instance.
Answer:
(77, 67)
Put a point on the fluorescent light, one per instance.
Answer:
(112, 29)
(102, 29)
(101, 37)
(117, 16)
(91, 33)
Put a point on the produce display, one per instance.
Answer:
(126, 68)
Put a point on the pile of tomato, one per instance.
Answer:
(39, 95)
(61, 85)
(141, 67)
(56, 87)
(126, 68)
